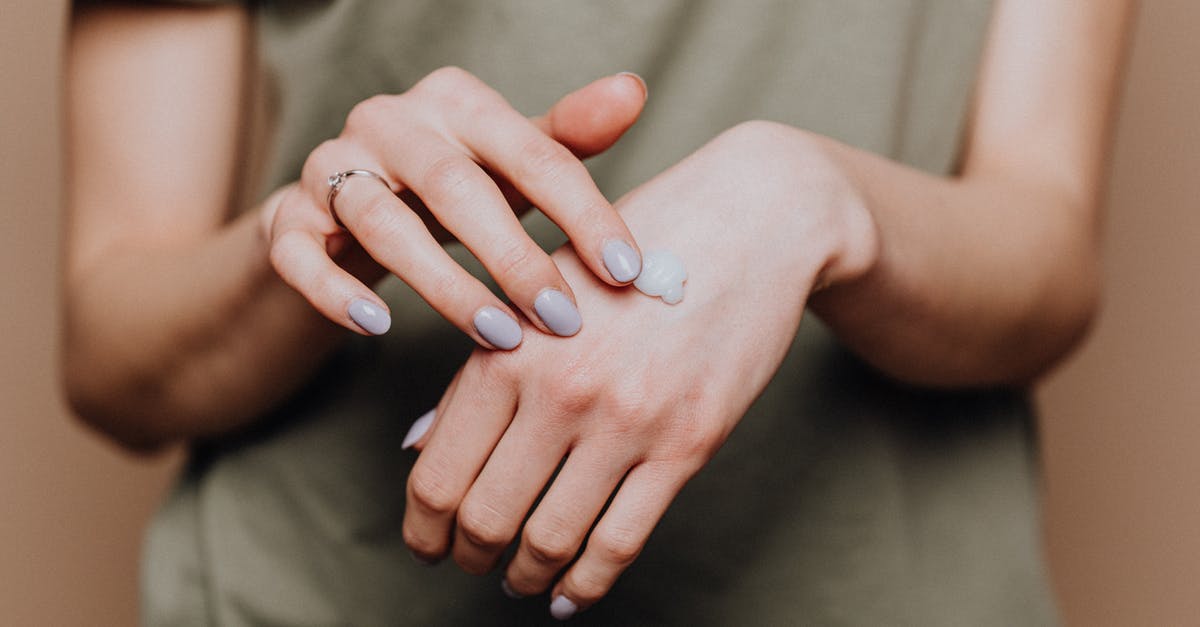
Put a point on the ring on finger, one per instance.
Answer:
(338, 180)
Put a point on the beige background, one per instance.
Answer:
(1120, 425)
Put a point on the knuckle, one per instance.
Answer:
(283, 250)
(429, 492)
(627, 426)
(703, 444)
(587, 587)
(690, 446)
(527, 585)
(428, 548)
(448, 76)
(631, 413)
(442, 291)
(319, 159)
(483, 525)
(548, 545)
(324, 150)
(615, 546)
(449, 176)
(455, 89)
(368, 114)
(573, 390)
(289, 257)
(514, 259)
(376, 220)
(544, 158)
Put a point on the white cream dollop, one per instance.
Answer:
(662, 275)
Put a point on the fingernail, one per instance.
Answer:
(640, 80)
(498, 328)
(418, 429)
(622, 261)
(508, 591)
(558, 312)
(562, 608)
(370, 317)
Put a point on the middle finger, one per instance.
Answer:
(468, 203)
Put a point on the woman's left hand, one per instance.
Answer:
(645, 394)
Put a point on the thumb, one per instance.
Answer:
(592, 118)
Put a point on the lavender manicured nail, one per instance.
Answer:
(370, 317)
(558, 312)
(622, 261)
(418, 429)
(498, 328)
(562, 608)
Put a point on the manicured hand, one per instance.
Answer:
(633, 409)
(464, 159)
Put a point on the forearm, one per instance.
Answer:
(980, 280)
(179, 343)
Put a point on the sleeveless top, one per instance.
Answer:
(842, 498)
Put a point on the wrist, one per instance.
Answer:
(766, 197)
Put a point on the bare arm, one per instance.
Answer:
(980, 279)
(177, 324)
(991, 276)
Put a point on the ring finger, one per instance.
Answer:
(555, 531)
(400, 241)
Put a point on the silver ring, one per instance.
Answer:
(338, 180)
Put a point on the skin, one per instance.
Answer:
(142, 369)
(912, 277)
(904, 266)
(435, 141)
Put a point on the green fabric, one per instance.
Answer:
(841, 499)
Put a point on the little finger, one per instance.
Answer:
(618, 538)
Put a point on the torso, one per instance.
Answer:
(841, 498)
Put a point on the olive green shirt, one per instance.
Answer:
(841, 499)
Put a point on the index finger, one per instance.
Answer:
(558, 183)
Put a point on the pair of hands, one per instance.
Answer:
(641, 398)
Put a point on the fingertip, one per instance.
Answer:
(418, 430)
(371, 317)
(499, 329)
(622, 261)
(592, 118)
(558, 312)
(641, 83)
(563, 608)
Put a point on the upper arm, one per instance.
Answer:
(154, 98)
(1046, 94)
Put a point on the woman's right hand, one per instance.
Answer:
(471, 160)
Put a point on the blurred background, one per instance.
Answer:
(1120, 421)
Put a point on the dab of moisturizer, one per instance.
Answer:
(662, 275)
